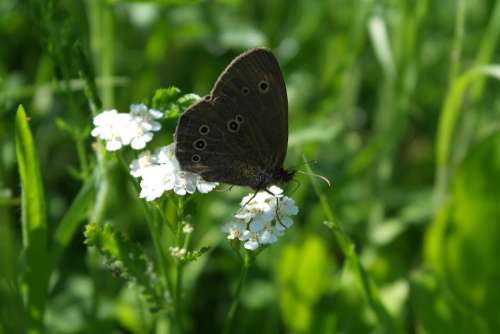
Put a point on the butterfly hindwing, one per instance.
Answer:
(205, 146)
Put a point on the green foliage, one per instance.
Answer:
(305, 274)
(128, 261)
(438, 312)
(172, 102)
(12, 312)
(465, 236)
(72, 219)
(194, 255)
(35, 277)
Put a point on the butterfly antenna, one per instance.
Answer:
(317, 175)
(305, 163)
(297, 186)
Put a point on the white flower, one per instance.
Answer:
(177, 252)
(286, 209)
(263, 218)
(235, 230)
(146, 117)
(112, 127)
(156, 180)
(185, 183)
(160, 172)
(187, 228)
(204, 186)
(252, 242)
(143, 125)
(268, 235)
(121, 129)
(138, 166)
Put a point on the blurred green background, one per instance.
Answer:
(394, 100)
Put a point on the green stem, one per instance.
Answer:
(457, 41)
(82, 157)
(106, 69)
(489, 43)
(155, 225)
(102, 36)
(179, 266)
(155, 231)
(231, 315)
(98, 211)
(442, 171)
(178, 296)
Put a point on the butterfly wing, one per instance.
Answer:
(241, 129)
(205, 146)
(266, 108)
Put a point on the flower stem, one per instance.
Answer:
(178, 297)
(179, 266)
(82, 157)
(155, 230)
(97, 212)
(231, 315)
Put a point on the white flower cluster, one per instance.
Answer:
(262, 219)
(121, 129)
(177, 252)
(161, 172)
(187, 228)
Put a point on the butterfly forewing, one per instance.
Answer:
(241, 129)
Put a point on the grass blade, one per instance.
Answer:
(72, 219)
(488, 45)
(34, 225)
(448, 120)
(348, 249)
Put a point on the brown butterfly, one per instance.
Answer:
(239, 133)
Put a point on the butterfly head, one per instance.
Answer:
(279, 175)
(283, 176)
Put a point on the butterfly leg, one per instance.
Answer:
(224, 190)
(251, 198)
(276, 212)
(246, 203)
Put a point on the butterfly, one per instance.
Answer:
(238, 134)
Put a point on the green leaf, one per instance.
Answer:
(127, 260)
(34, 225)
(11, 306)
(462, 245)
(436, 311)
(304, 274)
(164, 97)
(72, 219)
(130, 312)
(449, 116)
(67, 311)
(381, 45)
(195, 254)
(172, 102)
